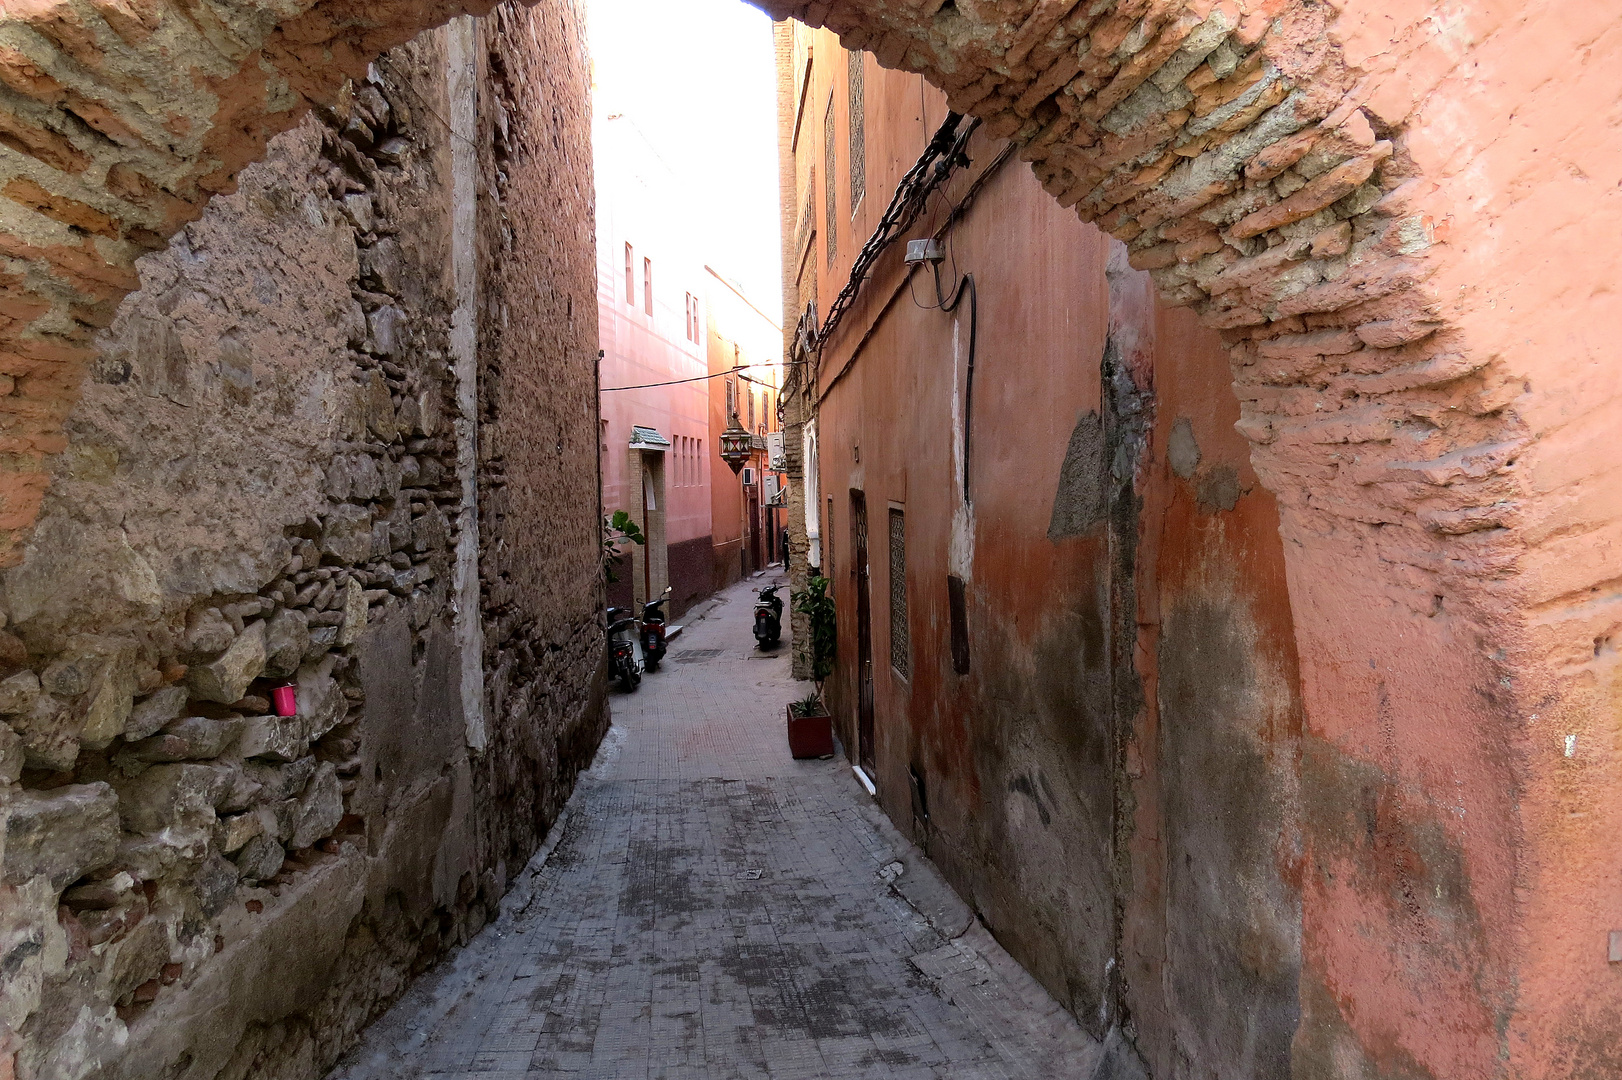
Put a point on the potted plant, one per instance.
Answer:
(810, 725)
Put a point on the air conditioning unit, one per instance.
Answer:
(748, 475)
(772, 487)
(774, 450)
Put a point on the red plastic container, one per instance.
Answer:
(810, 736)
(285, 700)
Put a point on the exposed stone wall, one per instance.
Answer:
(264, 489)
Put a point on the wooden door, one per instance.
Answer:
(864, 634)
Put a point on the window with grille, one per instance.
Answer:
(630, 276)
(647, 285)
(831, 195)
(858, 133)
(900, 647)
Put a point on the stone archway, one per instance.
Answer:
(1346, 195)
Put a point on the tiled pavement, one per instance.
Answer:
(712, 908)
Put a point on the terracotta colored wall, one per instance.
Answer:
(1123, 746)
(1413, 345)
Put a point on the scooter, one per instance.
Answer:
(653, 631)
(622, 649)
(768, 617)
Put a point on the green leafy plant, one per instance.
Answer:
(618, 530)
(815, 602)
(810, 705)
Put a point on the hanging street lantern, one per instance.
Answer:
(736, 445)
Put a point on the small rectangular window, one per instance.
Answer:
(751, 408)
(858, 133)
(900, 647)
(828, 541)
(732, 400)
(647, 285)
(630, 276)
(830, 212)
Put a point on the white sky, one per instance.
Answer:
(697, 78)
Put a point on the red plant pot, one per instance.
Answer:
(810, 736)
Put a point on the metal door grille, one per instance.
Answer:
(900, 647)
(829, 168)
(858, 133)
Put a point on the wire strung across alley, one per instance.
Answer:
(738, 371)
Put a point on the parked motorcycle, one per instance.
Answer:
(768, 617)
(622, 649)
(653, 631)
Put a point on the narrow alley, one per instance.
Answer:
(1179, 430)
(710, 907)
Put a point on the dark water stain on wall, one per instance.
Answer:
(1233, 921)
(1043, 754)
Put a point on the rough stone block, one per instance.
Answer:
(208, 633)
(346, 535)
(232, 832)
(287, 636)
(18, 693)
(260, 858)
(60, 834)
(321, 703)
(12, 755)
(241, 792)
(226, 679)
(274, 738)
(50, 735)
(152, 712)
(192, 739)
(354, 609)
(152, 858)
(282, 781)
(216, 883)
(387, 326)
(172, 795)
(321, 807)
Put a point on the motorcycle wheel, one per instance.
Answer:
(651, 663)
(628, 679)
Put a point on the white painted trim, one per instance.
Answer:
(861, 774)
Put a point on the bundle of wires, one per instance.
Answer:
(944, 153)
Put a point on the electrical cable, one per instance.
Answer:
(738, 371)
(944, 153)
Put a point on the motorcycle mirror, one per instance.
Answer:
(666, 594)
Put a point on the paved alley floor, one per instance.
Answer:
(710, 907)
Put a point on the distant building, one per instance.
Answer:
(656, 443)
(745, 348)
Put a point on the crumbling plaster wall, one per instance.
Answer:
(1388, 210)
(263, 487)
